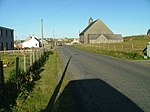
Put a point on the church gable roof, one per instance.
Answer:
(100, 25)
(89, 26)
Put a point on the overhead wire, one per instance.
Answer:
(52, 14)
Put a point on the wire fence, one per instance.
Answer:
(117, 47)
(18, 59)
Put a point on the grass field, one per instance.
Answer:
(10, 61)
(43, 91)
(130, 49)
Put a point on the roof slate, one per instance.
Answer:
(87, 27)
(29, 38)
(103, 27)
(6, 28)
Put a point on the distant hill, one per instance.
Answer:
(143, 39)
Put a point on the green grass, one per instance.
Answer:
(130, 55)
(141, 39)
(130, 49)
(10, 61)
(21, 87)
(39, 98)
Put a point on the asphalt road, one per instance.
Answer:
(101, 83)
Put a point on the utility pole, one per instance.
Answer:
(53, 33)
(54, 37)
(42, 31)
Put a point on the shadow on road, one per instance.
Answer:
(50, 105)
(93, 95)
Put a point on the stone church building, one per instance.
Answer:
(98, 32)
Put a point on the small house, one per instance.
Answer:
(30, 42)
(75, 41)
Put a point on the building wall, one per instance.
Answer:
(103, 39)
(97, 28)
(82, 38)
(100, 39)
(6, 39)
(31, 43)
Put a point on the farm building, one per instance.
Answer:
(98, 32)
(6, 38)
(30, 42)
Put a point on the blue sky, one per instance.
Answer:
(67, 17)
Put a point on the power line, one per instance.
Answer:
(52, 14)
(61, 9)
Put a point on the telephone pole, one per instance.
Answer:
(42, 31)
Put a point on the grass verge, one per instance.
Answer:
(39, 98)
(129, 55)
(131, 49)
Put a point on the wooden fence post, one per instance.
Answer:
(1, 75)
(103, 47)
(132, 47)
(108, 47)
(33, 56)
(0, 57)
(114, 48)
(122, 48)
(37, 55)
(31, 61)
(17, 67)
(25, 67)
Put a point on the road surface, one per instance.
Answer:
(101, 83)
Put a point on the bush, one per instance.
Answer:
(25, 80)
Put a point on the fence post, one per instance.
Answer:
(122, 48)
(132, 47)
(37, 55)
(31, 61)
(0, 57)
(1, 75)
(33, 56)
(17, 67)
(108, 47)
(114, 48)
(102, 46)
(42, 52)
(25, 68)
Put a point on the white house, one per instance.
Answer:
(75, 41)
(30, 42)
